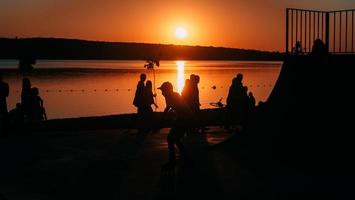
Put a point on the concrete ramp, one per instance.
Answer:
(302, 139)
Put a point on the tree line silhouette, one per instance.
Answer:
(56, 48)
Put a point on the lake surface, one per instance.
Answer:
(93, 88)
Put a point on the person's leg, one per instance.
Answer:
(182, 150)
(171, 139)
(4, 127)
(140, 119)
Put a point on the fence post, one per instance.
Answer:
(327, 27)
(287, 31)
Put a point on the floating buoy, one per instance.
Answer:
(214, 87)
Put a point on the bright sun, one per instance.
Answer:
(181, 33)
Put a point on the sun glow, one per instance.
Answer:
(180, 75)
(181, 33)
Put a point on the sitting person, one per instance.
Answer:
(38, 113)
(16, 117)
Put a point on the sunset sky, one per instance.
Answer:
(250, 24)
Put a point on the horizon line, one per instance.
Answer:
(130, 42)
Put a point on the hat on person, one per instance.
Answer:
(166, 86)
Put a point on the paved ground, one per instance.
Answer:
(118, 164)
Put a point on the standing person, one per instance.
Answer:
(195, 100)
(234, 108)
(149, 97)
(146, 112)
(138, 97)
(195, 93)
(26, 95)
(186, 92)
(4, 93)
(138, 102)
(183, 120)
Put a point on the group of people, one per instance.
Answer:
(191, 94)
(31, 108)
(143, 100)
(186, 108)
(240, 103)
(144, 97)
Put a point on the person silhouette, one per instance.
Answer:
(4, 93)
(26, 96)
(145, 110)
(234, 108)
(184, 118)
(195, 93)
(138, 97)
(186, 92)
(148, 97)
(16, 118)
(319, 49)
(252, 100)
(244, 107)
(38, 113)
(195, 98)
(297, 50)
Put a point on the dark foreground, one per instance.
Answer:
(119, 164)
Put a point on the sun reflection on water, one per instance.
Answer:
(180, 75)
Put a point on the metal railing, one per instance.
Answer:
(334, 28)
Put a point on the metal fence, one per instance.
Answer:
(334, 28)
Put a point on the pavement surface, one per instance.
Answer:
(119, 164)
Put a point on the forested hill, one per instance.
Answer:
(55, 48)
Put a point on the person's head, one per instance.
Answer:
(240, 77)
(196, 79)
(234, 81)
(319, 48)
(143, 77)
(35, 91)
(187, 82)
(251, 94)
(26, 83)
(166, 88)
(245, 90)
(149, 85)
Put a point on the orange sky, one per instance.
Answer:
(250, 24)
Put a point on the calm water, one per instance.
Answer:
(92, 88)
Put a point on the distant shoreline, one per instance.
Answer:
(73, 49)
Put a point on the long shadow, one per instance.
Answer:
(192, 181)
(103, 177)
(69, 166)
